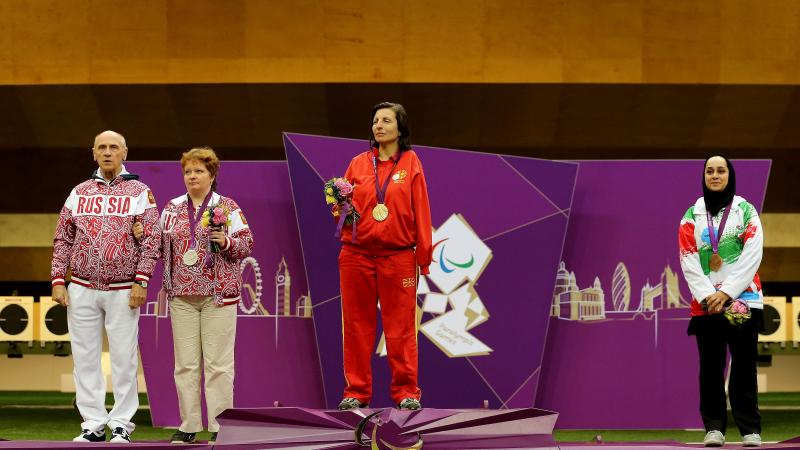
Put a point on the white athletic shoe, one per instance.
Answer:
(90, 436)
(751, 440)
(714, 438)
(120, 436)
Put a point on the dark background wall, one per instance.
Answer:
(49, 129)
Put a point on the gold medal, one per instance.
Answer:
(380, 212)
(716, 262)
(190, 257)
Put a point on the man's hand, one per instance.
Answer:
(138, 296)
(716, 302)
(60, 295)
(138, 230)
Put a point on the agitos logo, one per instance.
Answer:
(451, 305)
(442, 259)
(459, 258)
(389, 431)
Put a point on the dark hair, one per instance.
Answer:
(715, 201)
(208, 157)
(404, 142)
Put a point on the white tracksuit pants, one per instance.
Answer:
(88, 313)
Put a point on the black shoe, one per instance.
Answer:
(213, 437)
(120, 436)
(181, 437)
(90, 436)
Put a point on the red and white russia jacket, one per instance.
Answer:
(94, 235)
(223, 277)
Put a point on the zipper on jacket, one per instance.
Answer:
(102, 229)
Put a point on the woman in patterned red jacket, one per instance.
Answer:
(204, 287)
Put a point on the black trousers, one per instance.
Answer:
(715, 337)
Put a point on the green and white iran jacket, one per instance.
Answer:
(740, 246)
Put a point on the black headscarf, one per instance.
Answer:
(715, 201)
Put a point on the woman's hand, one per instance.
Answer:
(716, 302)
(217, 235)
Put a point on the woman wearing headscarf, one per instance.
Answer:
(721, 243)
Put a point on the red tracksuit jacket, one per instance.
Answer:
(409, 221)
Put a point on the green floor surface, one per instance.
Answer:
(48, 416)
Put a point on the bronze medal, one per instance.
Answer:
(716, 262)
(190, 257)
(714, 236)
(380, 212)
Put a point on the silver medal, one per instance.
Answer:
(190, 257)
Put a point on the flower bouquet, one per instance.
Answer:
(216, 217)
(737, 312)
(339, 193)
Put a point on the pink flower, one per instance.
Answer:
(219, 216)
(739, 307)
(343, 186)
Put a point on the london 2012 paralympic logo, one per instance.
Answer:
(448, 292)
(444, 260)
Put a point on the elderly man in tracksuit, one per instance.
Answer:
(110, 271)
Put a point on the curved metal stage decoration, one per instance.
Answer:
(387, 429)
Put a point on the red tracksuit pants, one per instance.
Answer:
(365, 279)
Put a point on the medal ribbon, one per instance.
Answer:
(381, 193)
(343, 212)
(194, 217)
(713, 237)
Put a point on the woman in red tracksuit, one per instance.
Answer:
(393, 239)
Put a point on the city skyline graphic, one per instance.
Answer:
(589, 304)
(253, 302)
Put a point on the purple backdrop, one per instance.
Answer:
(628, 364)
(509, 213)
(276, 354)
(636, 367)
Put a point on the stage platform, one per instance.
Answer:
(386, 429)
(54, 445)
(51, 445)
